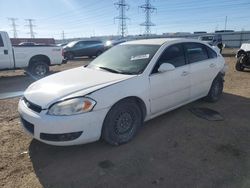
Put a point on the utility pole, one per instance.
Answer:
(122, 6)
(226, 23)
(14, 26)
(148, 8)
(31, 26)
(63, 36)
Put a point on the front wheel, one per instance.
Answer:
(98, 53)
(216, 89)
(70, 56)
(122, 122)
(239, 66)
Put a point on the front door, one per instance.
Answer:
(172, 88)
(5, 62)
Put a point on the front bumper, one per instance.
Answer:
(64, 61)
(62, 130)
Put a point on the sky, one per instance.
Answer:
(85, 18)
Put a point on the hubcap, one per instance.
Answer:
(216, 88)
(124, 123)
(40, 70)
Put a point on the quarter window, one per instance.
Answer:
(82, 44)
(196, 52)
(1, 41)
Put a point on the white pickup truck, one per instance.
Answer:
(34, 59)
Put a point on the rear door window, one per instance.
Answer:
(211, 53)
(1, 41)
(196, 52)
(80, 44)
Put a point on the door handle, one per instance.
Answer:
(212, 65)
(5, 52)
(185, 73)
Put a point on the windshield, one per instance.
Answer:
(125, 59)
(71, 44)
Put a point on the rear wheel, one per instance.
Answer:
(39, 69)
(216, 89)
(122, 122)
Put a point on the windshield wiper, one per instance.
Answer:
(110, 70)
(116, 71)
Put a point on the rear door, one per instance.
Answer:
(5, 61)
(203, 68)
(170, 89)
(92, 47)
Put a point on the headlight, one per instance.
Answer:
(108, 43)
(72, 107)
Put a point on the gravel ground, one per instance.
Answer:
(174, 150)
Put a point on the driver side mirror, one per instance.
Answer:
(165, 67)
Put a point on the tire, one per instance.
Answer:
(39, 69)
(216, 90)
(70, 56)
(122, 122)
(238, 65)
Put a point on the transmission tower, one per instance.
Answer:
(31, 26)
(63, 36)
(148, 8)
(122, 6)
(14, 26)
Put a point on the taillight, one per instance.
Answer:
(63, 52)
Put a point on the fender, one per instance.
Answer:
(240, 52)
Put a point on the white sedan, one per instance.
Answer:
(127, 85)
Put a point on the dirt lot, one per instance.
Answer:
(176, 150)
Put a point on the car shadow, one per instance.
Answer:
(14, 84)
(176, 149)
(246, 70)
(228, 54)
(17, 83)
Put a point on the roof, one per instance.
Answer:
(160, 41)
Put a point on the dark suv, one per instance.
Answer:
(88, 48)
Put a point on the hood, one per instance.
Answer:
(245, 47)
(56, 87)
(65, 48)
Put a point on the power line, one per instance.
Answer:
(122, 6)
(102, 13)
(14, 26)
(31, 27)
(148, 9)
